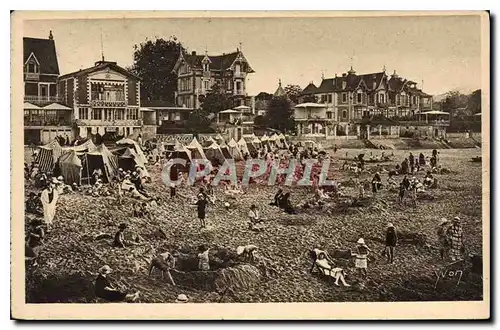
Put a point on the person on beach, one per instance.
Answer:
(49, 199)
(442, 238)
(391, 239)
(201, 204)
(105, 290)
(361, 254)
(203, 258)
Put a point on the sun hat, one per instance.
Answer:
(122, 226)
(390, 225)
(182, 298)
(105, 270)
(60, 178)
(361, 241)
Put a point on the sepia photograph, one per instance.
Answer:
(250, 159)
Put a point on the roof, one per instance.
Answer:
(217, 62)
(100, 65)
(29, 106)
(56, 106)
(44, 51)
(264, 96)
(310, 89)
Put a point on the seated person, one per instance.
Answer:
(134, 193)
(428, 179)
(35, 241)
(104, 289)
(287, 204)
(138, 210)
(253, 215)
(164, 262)
(34, 205)
(203, 258)
(277, 198)
(119, 240)
(326, 269)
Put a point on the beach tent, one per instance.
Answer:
(101, 158)
(234, 150)
(71, 167)
(48, 155)
(256, 142)
(180, 151)
(81, 148)
(125, 142)
(225, 150)
(213, 152)
(242, 144)
(128, 159)
(196, 149)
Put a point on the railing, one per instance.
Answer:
(63, 122)
(424, 122)
(97, 122)
(41, 99)
(31, 76)
(107, 103)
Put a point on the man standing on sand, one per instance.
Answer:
(455, 239)
(202, 206)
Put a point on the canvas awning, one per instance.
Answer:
(310, 105)
(29, 106)
(435, 112)
(56, 106)
(229, 111)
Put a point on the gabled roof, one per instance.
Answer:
(100, 65)
(264, 96)
(44, 51)
(217, 62)
(310, 89)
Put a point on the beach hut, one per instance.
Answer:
(225, 150)
(101, 158)
(126, 142)
(48, 155)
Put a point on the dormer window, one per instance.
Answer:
(206, 67)
(344, 84)
(237, 68)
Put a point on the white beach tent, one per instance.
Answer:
(242, 144)
(213, 152)
(196, 149)
(234, 150)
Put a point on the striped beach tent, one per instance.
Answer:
(48, 155)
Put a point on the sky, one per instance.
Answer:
(443, 51)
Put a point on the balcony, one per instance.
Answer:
(35, 99)
(29, 76)
(97, 122)
(47, 122)
(108, 104)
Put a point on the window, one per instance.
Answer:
(83, 113)
(237, 68)
(207, 84)
(229, 84)
(344, 97)
(132, 114)
(206, 67)
(238, 86)
(329, 115)
(344, 114)
(323, 98)
(31, 67)
(359, 97)
(96, 114)
(119, 115)
(330, 98)
(398, 99)
(382, 98)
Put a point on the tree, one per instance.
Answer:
(216, 100)
(310, 98)
(474, 103)
(198, 122)
(280, 114)
(293, 92)
(259, 121)
(154, 61)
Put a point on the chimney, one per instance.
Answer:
(51, 37)
(344, 74)
(193, 53)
